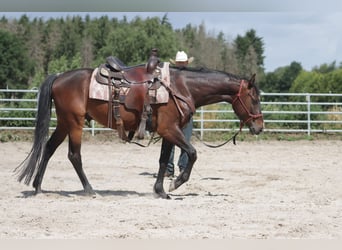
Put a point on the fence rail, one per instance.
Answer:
(283, 112)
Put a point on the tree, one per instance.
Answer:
(87, 52)
(99, 30)
(208, 49)
(71, 36)
(325, 68)
(282, 79)
(289, 75)
(317, 82)
(50, 40)
(165, 21)
(249, 50)
(133, 43)
(63, 64)
(15, 65)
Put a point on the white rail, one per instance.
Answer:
(290, 113)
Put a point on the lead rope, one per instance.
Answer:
(152, 139)
(222, 144)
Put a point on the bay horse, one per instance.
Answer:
(192, 88)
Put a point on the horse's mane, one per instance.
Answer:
(211, 71)
(207, 71)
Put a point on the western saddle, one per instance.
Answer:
(116, 75)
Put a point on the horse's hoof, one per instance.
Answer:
(162, 196)
(172, 185)
(38, 191)
(90, 193)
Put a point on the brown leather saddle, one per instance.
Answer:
(114, 68)
(137, 79)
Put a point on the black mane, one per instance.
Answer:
(206, 70)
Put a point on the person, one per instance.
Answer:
(181, 60)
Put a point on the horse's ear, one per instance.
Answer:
(251, 81)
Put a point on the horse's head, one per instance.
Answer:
(246, 105)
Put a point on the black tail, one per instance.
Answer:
(28, 168)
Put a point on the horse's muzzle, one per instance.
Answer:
(256, 128)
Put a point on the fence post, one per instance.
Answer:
(92, 127)
(202, 123)
(308, 99)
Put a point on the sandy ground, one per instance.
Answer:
(260, 189)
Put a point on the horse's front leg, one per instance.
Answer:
(185, 174)
(163, 160)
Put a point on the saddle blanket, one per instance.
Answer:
(160, 95)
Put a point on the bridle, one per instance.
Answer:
(238, 98)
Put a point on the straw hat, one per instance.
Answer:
(181, 56)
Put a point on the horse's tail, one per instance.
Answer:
(28, 168)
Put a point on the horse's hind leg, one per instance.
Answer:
(74, 156)
(55, 140)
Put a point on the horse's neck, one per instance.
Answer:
(214, 90)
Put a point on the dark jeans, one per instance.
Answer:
(183, 157)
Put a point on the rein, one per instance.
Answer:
(222, 144)
(156, 139)
(239, 99)
(152, 139)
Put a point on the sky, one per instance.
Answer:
(309, 37)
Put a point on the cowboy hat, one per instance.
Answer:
(181, 56)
